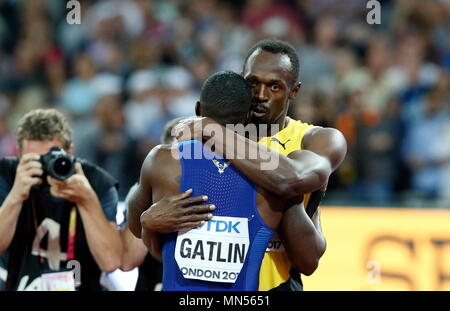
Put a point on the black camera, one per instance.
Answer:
(57, 164)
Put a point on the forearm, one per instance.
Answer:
(152, 241)
(102, 236)
(272, 171)
(302, 239)
(134, 250)
(134, 211)
(9, 215)
(316, 221)
(321, 241)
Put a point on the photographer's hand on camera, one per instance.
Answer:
(28, 174)
(76, 188)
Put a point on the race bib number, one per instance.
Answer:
(275, 244)
(58, 281)
(214, 252)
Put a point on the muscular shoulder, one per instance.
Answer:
(328, 133)
(327, 142)
(160, 160)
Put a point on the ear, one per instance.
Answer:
(295, 90)
(198, 110)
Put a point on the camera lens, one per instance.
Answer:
(62, 166)
(57, 164)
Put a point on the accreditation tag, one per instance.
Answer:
(214, 252)
(58, 281)
(275, 244)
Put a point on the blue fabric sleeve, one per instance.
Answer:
(109, 203)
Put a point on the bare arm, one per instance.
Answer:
(134, 250)
(27, 174)
(288, 177)
(139, 201)
(306, 254)
(304, 244)
(171, 215)
(303, 171)
(153, 242)
(9, 214)
(102, 236)
(328, 143)
(168, 214)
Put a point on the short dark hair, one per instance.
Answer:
(226, 97)
(276, 46)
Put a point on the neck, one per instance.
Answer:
(276, 127)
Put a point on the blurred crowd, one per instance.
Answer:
(133, 65)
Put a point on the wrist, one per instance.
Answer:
(152, 220)
(16, 197)
(87, 199)
(146, 219)
(12, 205)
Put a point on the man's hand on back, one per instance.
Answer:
(171, 214)
(196, 128)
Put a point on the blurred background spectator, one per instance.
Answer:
(132, 65)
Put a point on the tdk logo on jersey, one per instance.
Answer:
(223, 226)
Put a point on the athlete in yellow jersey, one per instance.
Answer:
(307, 156)
(276, 267)
(272, 68)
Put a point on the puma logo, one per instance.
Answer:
(282, 144)
(221, 167)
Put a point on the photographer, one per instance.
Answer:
(45, 222)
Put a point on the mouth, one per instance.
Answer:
(259, 111)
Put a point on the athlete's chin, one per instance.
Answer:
(259, 120)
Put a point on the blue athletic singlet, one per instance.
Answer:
(226, 252)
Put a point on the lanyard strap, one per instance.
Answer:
(72, 234)
(33, 208)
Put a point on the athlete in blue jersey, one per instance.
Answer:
(272, 69)
(225, 252)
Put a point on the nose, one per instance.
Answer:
(261, 93)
